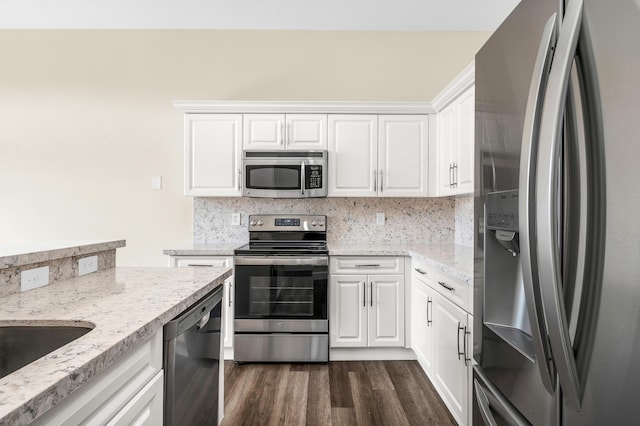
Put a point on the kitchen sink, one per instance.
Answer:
(22, 344)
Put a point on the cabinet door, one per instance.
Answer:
(444, 146)
(212, 155)
(306, 131)
(353, 141)
(348, 313)
(386, 310)
(422, 324)
(263, 131)
(145, 408)
(403, 147)
(450, 372)
(464, 156)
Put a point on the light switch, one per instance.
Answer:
(379, 218)
(156, 182)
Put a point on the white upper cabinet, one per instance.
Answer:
(403, 155)
(212, 154)
(378, 155)
(285, 131)
(353, 142)
(452, 152)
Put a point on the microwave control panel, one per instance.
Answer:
(313, 179)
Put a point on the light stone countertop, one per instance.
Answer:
(203, 249)
(23, 254)
(452, 259)
(125, 306)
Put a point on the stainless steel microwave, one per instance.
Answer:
(285, 174)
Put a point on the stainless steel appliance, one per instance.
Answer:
(285, 174)
(557, 302)
(192, 367)
(281, 285)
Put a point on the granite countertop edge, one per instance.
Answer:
(452, 259)
(126, 306)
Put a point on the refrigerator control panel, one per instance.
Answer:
(502, 210)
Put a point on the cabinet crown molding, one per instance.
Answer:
(284, 107)
(462, 82)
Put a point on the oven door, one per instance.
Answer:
(273, 293)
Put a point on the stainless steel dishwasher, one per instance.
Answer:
(192, 363)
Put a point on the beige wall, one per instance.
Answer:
(86, 116)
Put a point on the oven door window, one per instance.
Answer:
(274, 177)
(281, 292)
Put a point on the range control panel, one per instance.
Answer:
(288, 223)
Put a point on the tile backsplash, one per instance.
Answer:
(349, 220)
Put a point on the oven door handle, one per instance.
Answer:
(281, 260)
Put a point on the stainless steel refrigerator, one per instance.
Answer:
(557, 216)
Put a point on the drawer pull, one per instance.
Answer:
(200, 264)
(372, 265)
(420, 271)
(446, 286)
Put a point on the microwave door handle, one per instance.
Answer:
(302, 177)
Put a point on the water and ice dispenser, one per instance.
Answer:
(505, 309)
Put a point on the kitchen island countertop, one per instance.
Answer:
(125, 306)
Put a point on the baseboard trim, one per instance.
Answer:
(371, 354)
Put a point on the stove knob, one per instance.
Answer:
(314, 223)
(260, 223)
(253, 223)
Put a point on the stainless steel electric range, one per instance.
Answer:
(281, 283)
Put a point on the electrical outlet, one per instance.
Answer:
(34, 278)
(87, 265)
(235, 219)
(379, 218)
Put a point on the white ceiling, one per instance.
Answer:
(357, 15)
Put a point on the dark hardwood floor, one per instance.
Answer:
(386, 393)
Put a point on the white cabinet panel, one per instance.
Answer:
(145, 408)
(422, 323)
(212, 154)
(378, 156)
(285, 131)
(366, 310)
(353, 141)
(454, 146)
(386, 310)
(403, 149)
(348, 313)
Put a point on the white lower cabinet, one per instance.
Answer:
(128, 392)
(442, 338)
(227, 306)
(366, 309)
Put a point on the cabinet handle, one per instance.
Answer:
(230, 285)
(369, 265)
(446, 286)
(429, 317)
(364, 294)
(381, 179)
(200, 265)
(450, 175)
(455, 175)
(371, 293)
(288, 140)
(375, 180)
(281, 134)
(420, 271)
(458, 340)
(239, 179)
(464, 345)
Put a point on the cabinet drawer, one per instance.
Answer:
(453, 289)
(204, 261)
(367, 265)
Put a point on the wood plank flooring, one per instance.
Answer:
(385, 393)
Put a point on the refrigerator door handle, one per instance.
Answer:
(547, 204)
(527, 204)
(489, 397)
